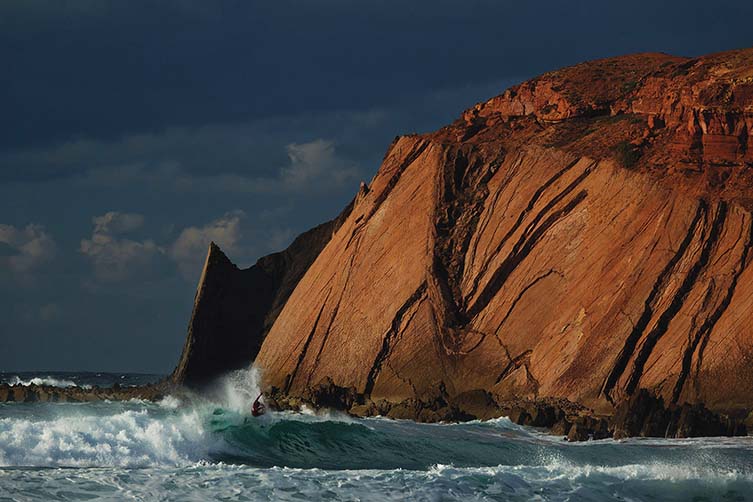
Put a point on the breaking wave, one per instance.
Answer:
(183, 446)
(54, 382)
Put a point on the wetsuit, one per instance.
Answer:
(258, 408)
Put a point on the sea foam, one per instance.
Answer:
(126, 434)
(53, 382)
(129, 438)
(186, 447)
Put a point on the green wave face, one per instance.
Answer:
(340, 442)
(214, 449)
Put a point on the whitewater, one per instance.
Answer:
(212, 449)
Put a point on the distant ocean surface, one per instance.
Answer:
(211, 449)
(80, 379)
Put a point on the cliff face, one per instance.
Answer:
(584, 235)
(234, 309)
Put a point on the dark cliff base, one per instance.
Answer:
(49, 394)
(643, 415)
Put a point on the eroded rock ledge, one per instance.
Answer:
(641, 415)
(50, 394)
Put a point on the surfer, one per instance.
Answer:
(258, 409)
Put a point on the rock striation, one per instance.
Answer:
(582, 236)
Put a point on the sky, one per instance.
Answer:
(134, 132)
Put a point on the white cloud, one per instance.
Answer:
(312, 166)
(114, 222)
(189, 249)
(116, 258)
(315, 165)
(229, 158)
(25, 248)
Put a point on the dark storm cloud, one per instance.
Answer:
(257, 149)
(133, 132)
(100, 68)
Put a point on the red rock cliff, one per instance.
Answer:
(583, 235)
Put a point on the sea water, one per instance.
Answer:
(212, 449)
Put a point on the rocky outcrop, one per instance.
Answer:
(513, 251)
(234, 308)
(644, 414)
(563, 270)
(49, 394)
(581, 237)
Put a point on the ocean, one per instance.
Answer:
(212, 449)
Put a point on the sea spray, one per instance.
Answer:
(48, 380)
(133, 434)
(196, 448)
(240, 388)
(85, 380)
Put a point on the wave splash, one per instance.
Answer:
(204, 437)
(123, 434)
(127, 438)
(49, 380)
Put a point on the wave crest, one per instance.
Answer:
(130, 438)
(52, 382)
